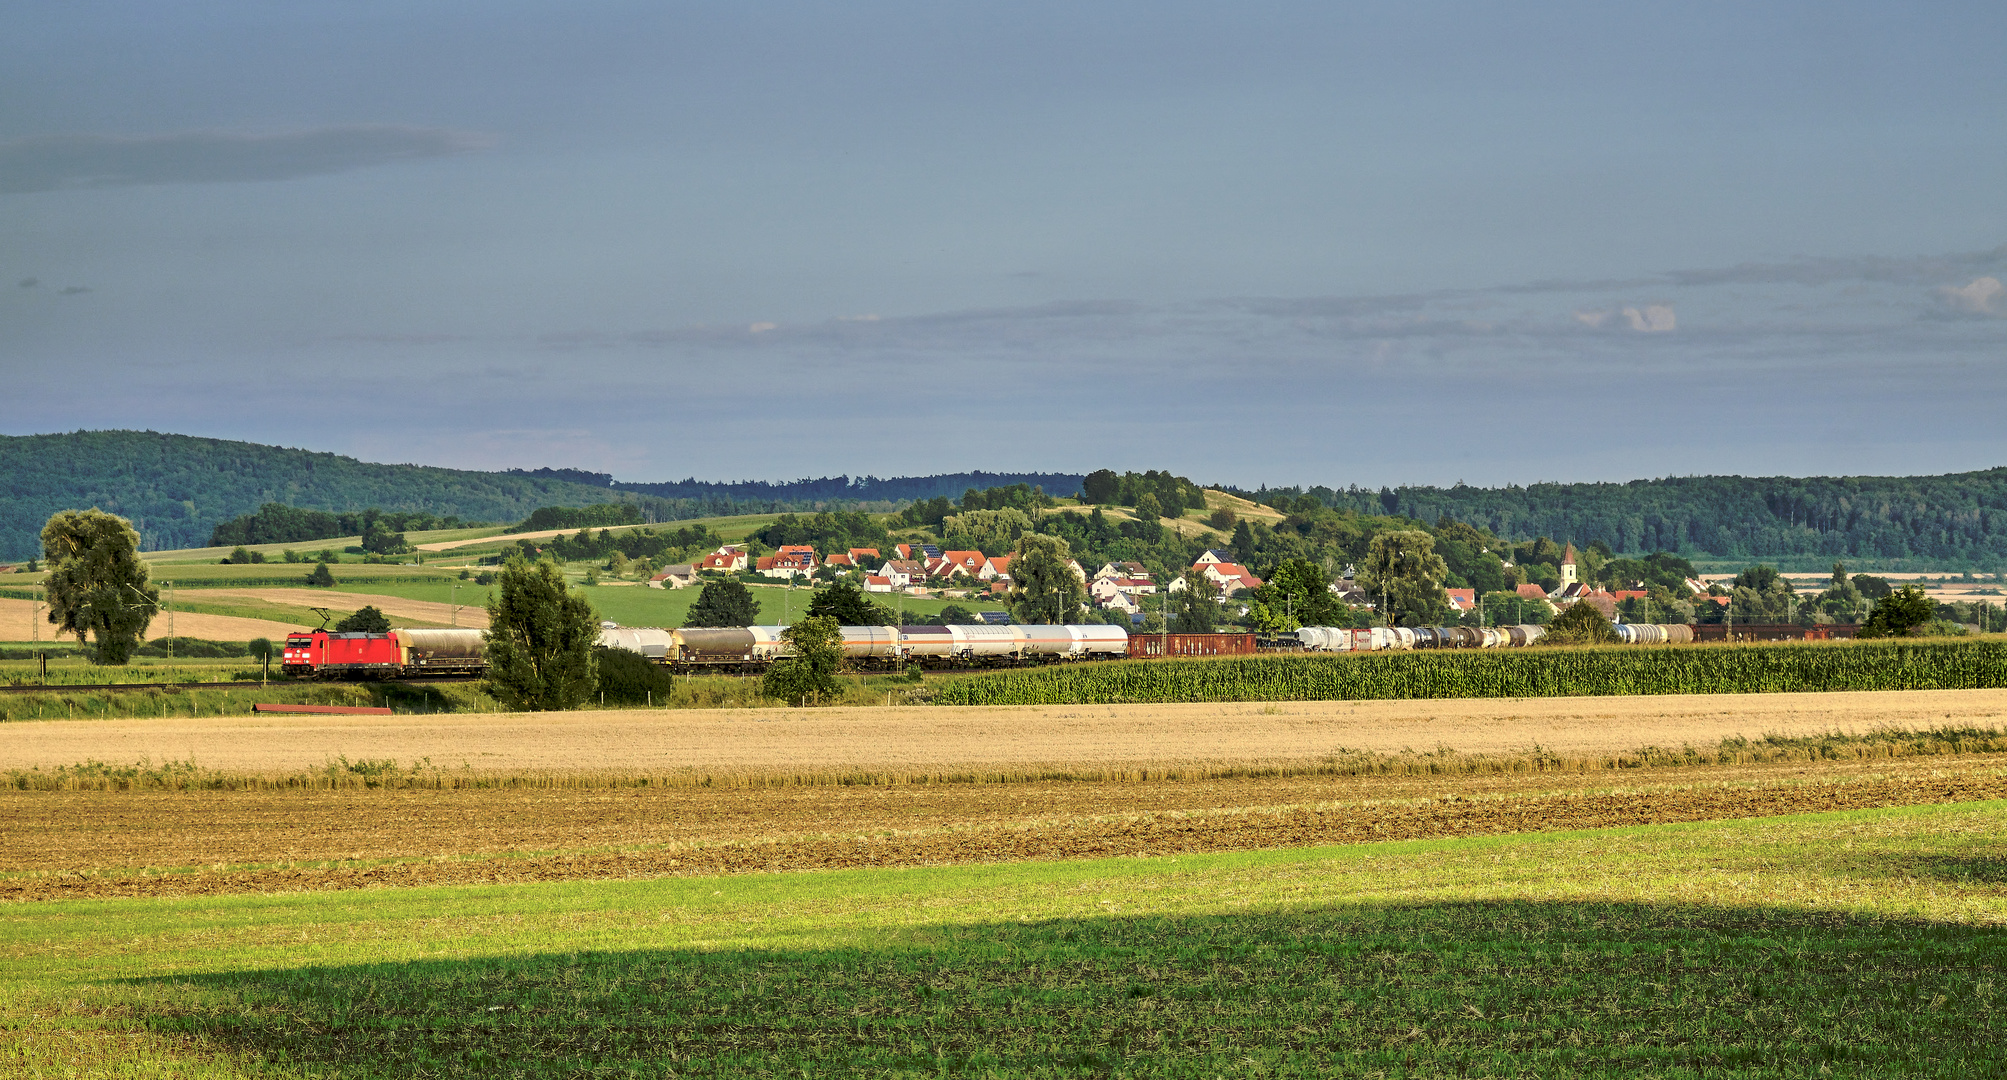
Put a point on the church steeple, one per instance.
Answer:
(1568, 566)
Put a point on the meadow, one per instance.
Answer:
(1863, 943)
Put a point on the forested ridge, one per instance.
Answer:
(1956, 517)
(176, 489)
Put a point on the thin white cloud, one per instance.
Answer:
(1983, 296)
(57, 162)
(1654, 319)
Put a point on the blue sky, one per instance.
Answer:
(1283, 243)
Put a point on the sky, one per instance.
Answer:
(1281, 243)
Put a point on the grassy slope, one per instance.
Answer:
(1867, 943)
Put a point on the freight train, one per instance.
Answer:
(409, 653)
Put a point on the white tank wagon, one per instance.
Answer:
(652, 642)
(1654, 633)
(1394, 638)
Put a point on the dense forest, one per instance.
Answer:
(1956, 518)
(178, 489)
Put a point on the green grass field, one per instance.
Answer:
(638, 605)
(1855, 944)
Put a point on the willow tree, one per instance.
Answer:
(1404, 573)
(97, 585)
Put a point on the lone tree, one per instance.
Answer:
(1299, 594)
(811, 671)
(1898, 613)
(366, 621)
(540, 639)
(1404, 573)
(1195, 609)
(1044, 589)
(96, 583)
(723, 603)
(322, 576)
(1581, 624)
(846, 603)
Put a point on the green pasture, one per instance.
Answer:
(1852, 944)
(636, 604)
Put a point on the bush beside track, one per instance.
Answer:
(1617, 670)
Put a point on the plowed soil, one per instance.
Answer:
(922, 740)
(56, 845)
(18, 622)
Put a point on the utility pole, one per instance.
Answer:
(456, 604)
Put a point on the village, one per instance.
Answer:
(927, 570)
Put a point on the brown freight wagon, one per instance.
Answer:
(1191, 644)
(1772, 632)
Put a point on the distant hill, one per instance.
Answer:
(1958, 518)
(899, 489)
(177, 488)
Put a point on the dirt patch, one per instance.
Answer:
(58, 845)
(19, 622)
(427, 611)
(922, 740)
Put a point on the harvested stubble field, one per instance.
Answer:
(25, 620)
(760, 746)
(68, 844)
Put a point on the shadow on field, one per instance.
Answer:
(1457, 989)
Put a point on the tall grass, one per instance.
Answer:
(1614, 670)
(341, 774)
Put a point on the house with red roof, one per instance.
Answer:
(793, 560)
(729, 559)
(975, 564)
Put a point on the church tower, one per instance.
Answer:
(1568, 567)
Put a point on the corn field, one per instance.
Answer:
(1616, 670)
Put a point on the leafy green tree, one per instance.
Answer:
(991, 532)
(1899, 613)
(1402, 571)
(1149, 507)
(97, 584)
(260, 648)
(322, 576)
(1872, 587)
(1300, 590)
(811, 671)
(847, 604)
(956, 615)
(540, 638)
(629, 678)
(1100, 486)
(723, 603)
(1044, 589)
(368, 620)
(1581, 624)
(1195, 609)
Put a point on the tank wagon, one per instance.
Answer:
(749, 648)
(1384, 638)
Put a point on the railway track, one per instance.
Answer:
(60, 688)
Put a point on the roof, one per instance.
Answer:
(1630, 594)
(967, 560)
(1531, 591)
(839, 560)
(1568, 555)
(1227, 569)
(855, 552)
(1001, 562)
(874, 579)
